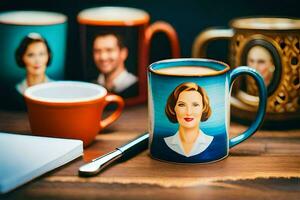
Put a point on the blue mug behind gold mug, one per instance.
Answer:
(19, 30)
(189, 109)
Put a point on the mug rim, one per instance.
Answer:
(199, 63)
(63, 101)
(60, 18)
(84, 18)
(265, 23)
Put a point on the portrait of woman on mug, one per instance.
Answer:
(261, 59)
(34, 55)
(188, 105)
(264, 57)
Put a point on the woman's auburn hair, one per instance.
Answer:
(172, 100)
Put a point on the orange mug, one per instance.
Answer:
(115, 44)
(70, 109)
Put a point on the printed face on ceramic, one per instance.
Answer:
(189, 109)
(115, 45)
(33, 46)
(260, 59)
(34, 55)
(263, 57)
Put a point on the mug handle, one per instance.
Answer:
(116, 114)
(243, 70)
(204, 38)
(144, 48)
(161, 26)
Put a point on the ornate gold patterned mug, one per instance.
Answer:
(272, 47)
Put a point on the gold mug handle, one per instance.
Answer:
(204, 38)
(242, 99)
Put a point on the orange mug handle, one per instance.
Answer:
(161, 26)
(116, 114)
(150, 31)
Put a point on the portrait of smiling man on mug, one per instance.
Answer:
(110, 54)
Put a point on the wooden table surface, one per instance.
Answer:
(267, 166)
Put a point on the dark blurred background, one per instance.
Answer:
(189, 18)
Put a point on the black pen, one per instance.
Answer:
(133, 147)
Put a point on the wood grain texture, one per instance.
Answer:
(266, 166)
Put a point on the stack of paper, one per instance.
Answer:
(23, 158)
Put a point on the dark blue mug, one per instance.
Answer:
(189, 109)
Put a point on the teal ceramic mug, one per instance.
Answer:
(32, 50)
(189, 109)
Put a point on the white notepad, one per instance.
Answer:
(23, 158)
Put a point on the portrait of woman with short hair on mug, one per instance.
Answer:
(188, 105)
(34, 55)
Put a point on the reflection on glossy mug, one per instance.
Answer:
(189, 115)
(272, 47)
(115, 47)
(70, 109)
(32, 51)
